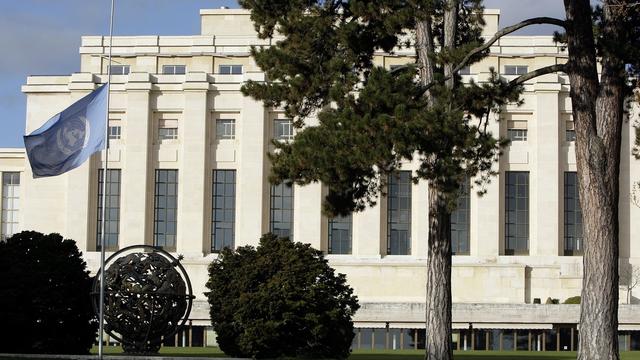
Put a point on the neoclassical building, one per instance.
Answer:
(188, 171)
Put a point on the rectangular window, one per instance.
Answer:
(570, 135)
(460, 222)
(224, 209)
(573, 240)
(465, 70)
(517, 134)
(115, 132)
(515, 69)
(340, 235)
(225, 129)
(174, 69)
(10, 204)
(282, 129)
(399, 214)
(166, 206)
(230, 69)
(281, 222)
(112, 211)
(167, 133)
(119, 69)
(517, 213)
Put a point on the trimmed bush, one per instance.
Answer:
(280, 299)
(45, 301)
(573, 300)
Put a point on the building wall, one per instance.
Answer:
(143, 99)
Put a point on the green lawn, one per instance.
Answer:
(397, 354)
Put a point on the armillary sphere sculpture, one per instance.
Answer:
(148, 296)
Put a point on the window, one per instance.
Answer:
(225, 129)
(112, 211)
(168, 133)
(174, 69)
(515, 69)
(465, 70)
(230, 69)
(570, 135)
(224, 208)
(119, 69)
(167, 129)
(10, 204)
(282, 129)
(573, 244)
(517, 213)
(399, 214)
(460, 222)
(115, 132)
(340, 235)
(166, 205)
(281, 222)
(517, 134)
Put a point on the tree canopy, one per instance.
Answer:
(371, 118)
(45, 301)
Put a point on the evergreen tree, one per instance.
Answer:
(281, 299)
(45, 300)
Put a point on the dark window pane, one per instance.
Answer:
(572, 215)
(112, 211)
(340, 235)
(399, 214)
(516, 212)
(281, 219)
(165, 221)
(223, 223)
(460, 222)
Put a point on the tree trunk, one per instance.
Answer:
(598, 127)
(438, 306)
(438, 346)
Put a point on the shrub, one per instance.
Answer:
(45, 301)
(280, 299)
(573, 300)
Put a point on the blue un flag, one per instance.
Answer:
(67, 140)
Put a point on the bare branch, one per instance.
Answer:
(496, 37)
(538, 72)
(506, 31)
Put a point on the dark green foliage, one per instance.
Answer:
(45, 301)
(573, 300)
(280, 299)
(371, 119)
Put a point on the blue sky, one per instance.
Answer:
(42, 37)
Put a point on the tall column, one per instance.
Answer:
(252, 189)
(486, 215)
(80, 214)
(307, 214)
(546, 175)
(193, 169)
(136, 213)
(368, 233)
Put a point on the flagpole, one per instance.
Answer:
(104, 191)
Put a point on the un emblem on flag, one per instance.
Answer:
(72, 135)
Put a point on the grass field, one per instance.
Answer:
(398, 354)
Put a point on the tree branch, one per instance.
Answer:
(496, 37)
(506, 31)
(538, 72)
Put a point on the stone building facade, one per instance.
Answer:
(188, 171)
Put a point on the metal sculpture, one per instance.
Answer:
(148, 297)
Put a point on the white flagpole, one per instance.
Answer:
(104, 192)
